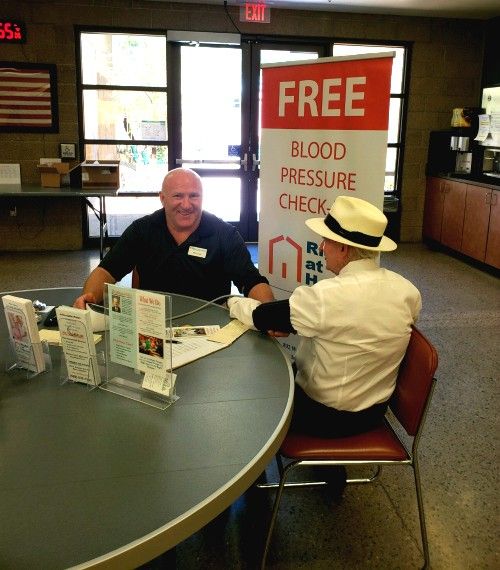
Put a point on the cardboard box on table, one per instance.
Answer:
(56, 174)
(98, 174)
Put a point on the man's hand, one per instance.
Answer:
(241, 308)
(93, 288)
(277, 334)
(81, 301)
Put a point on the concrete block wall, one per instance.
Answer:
(445, 68)
(39, 224)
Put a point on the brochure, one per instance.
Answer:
(137, 332)
(163, 384)
(23, 332)
(77, 340)
(196, 331)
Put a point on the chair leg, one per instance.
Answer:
(421, 515)
(274, 515)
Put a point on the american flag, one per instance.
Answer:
(25, 97)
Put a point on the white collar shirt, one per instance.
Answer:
(355, 328)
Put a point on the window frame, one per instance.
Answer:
(392, 198)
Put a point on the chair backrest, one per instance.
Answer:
(414, 382)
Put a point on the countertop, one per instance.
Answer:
(492, 182)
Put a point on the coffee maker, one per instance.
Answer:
(454, 151)
(464, 122)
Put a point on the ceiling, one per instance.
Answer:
(477, 9)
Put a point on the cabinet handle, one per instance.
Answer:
(494, 198)
(487, 197)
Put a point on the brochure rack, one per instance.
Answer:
(80, 361)
(137, 352)
(89, 377)
(34, 350)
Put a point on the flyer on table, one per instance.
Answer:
(137, 329)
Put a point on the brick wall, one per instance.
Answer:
(445, 68)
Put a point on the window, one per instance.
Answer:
(124, 110)
(124, 104)
(396, 110)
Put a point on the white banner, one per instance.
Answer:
(324, 133)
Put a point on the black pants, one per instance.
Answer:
(312, 418)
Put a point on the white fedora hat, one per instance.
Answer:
(355, 222)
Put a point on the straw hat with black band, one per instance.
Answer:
(354, 222)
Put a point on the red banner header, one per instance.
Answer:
(342, 95)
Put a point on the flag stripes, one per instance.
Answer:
(25, 97)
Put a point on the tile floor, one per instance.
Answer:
(374, 526)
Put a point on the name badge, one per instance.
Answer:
(197, 251)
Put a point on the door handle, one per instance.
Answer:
(244, 162)
(255, 162)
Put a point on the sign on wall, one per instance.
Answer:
(324, 134)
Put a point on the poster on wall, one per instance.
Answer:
(28, 98)
(324, 134)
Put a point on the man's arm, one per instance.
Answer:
(272, 317)
(93, 290)
(261, 292)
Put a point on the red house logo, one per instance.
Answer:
(283, 267)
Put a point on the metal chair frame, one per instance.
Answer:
(411, 460)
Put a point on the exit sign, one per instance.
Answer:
(256, 12)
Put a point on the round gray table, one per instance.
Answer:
(92, 479)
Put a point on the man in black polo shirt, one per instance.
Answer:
(180, 249)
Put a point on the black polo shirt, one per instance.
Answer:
(203, 266)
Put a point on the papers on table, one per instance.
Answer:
(188, 348)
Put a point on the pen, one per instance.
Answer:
(174, 341)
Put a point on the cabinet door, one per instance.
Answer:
(453, 213)
(433, 209)
(493, 244)
(477, 214)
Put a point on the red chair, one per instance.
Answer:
(379, 447)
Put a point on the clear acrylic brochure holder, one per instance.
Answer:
(91, 370)
(136, 347)
(24, 357)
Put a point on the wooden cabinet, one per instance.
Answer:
(492, 256)
(481, 233)
(444, 211)
(464, 217)
(453, 213)
(433, 209)
(476, 220)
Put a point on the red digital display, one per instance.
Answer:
(12, 32)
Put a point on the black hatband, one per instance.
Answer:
(357, 237)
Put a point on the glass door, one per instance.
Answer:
(219, 127)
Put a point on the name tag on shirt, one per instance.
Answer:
(197, 251)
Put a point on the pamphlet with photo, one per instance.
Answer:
(137, 331)
(23, 332)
